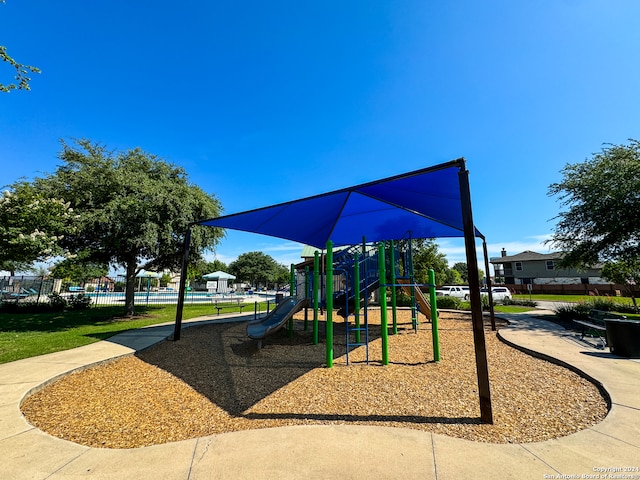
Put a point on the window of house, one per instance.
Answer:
(518, 266)
(550, 265)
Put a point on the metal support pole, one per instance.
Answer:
(384, 328)
(486, 266)
(434, 316)
(482, 368)
(306, 296)
(392, 262)
(183, 284)
(414, 312)
(356, 293)
(293, 294)
(316, 290)
(329, 295)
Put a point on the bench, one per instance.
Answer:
(595, 323)
(219, 304)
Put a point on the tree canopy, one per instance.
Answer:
(463, 270)
(257, 267)
(132, 209)
(625, 273)
(200, 267)
(79, 269)
(22, 72)
(426, 255)
(32, 226)
(602, 200)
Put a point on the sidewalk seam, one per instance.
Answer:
(539, 458)
(71, 460)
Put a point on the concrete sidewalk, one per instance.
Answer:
(338, 451)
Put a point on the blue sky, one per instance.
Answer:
(264, 102)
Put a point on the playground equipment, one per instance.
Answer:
(433, 202)
(351, 276)
(276, 319)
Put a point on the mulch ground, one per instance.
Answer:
(215, 380)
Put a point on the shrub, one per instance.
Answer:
(569, 311)
(627, 308)
(57, 302)
(451, 303)
(523, 303)
(79, 302)
(602, 303)
(403, 300)
(29, 307)
(484, 299)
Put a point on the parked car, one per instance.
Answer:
(452, 291)
(498, 293)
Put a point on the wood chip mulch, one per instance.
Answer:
(215, 380)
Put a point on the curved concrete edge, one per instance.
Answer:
(327, 451)
(556, 361)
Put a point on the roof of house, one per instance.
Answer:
(528, 256)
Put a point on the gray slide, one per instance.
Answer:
(276, 319)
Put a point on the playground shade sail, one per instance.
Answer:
(422, 204)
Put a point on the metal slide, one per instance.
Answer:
(424, 306)
(276, 319)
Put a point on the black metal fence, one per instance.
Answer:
(111, 291)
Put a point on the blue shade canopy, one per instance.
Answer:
(421, 204)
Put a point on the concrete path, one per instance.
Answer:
(610, 449)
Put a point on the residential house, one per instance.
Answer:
(532, 268)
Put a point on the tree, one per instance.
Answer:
(13, 267)
(254, 268)
(80, 268)
(625, 273)
(22, 72)
(200, 267)
(601, 222)
(426, 255)
(32, 226)
(133, 209)
(463, 270)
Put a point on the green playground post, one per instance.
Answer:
(292, 292)
(306, 292)
(392, 261)
(356, 303)
(329, 295)
(414, 310)
(434, 316)
(384, 328)
(316, 290)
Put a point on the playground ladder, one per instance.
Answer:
(367, 277)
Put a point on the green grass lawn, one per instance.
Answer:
(24, 335)
(511, 309)
(569, 298)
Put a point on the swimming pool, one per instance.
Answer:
(160, 298)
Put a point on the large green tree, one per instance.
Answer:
(21, 72)
(132, 209)
(602, 201)
(199, 268)
(32, 226)
(427, 256)
(255, 267)
(463, 270)
(80, 268)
